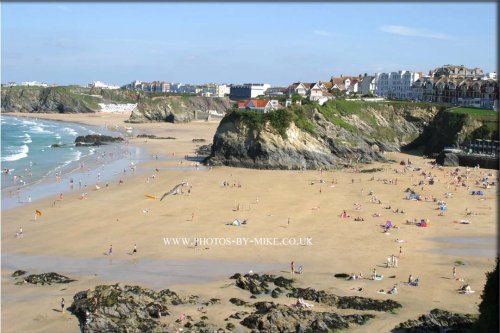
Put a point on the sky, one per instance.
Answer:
(278, 43)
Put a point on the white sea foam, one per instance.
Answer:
(70, 131)
(39, 129)
(21, 152)
(27, 138)
(28, 122)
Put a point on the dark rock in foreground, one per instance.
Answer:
(345, 302)
(96, 140)
(259, 284)
(19, 272)
(437, 321)
(271, 317)
(152, 136)
(237, 301)
(47, 278)
(131, 309)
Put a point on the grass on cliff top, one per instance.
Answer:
(279, 120)
(474, 111)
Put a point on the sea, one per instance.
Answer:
(32, 167)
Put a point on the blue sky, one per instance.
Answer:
(77, 43)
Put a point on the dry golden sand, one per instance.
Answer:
(85, 228)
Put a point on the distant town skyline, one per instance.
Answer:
(77, 43)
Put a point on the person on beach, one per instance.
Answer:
(135, 249)
(389, 262)
(62, 305)
(400, 251)
(292, 268)
(410, 279)
(454, 272)
(20, 232)
(110, 250)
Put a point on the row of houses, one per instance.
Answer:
(207, 90)
(481, 93)
(451, 84)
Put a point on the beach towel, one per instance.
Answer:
(377, 277)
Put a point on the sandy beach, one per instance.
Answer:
(301, 205)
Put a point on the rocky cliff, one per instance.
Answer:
(456, 126)
(74, 99)
(312, 136)
(178, 108)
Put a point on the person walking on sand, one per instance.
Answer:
(134, 251)
(292, 268)
(389, 262)
(62, 305)
(110, 251)
(454, 272)
(288, 223)
(400, 251)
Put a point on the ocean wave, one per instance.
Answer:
(39, 129)
(70, 131)
(22, 152)
(57, 136)
(27, 138)
(28, 122)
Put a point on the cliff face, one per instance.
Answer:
(317, 137)
(70, 99)
(178, 108)
(450, 128)
(77, 99)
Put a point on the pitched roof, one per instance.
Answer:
(260, 103)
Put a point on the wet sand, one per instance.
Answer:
(122, 216)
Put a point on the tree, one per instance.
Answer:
(488, 309)
(296, 97)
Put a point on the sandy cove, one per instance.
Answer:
(122, 216)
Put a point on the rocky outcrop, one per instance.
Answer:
(121, 308)
(437, 321)
(47, 278)
(447, 159)
(144, 107)
(96, 139)
(345, 302)
(18, 273)
(262, 284)
(52, 99)
(271, 317)
(320, 139)
(178, 108)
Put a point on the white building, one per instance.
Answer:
(367, 85)
(492, 75)
(99, 84)
(395, 84)
(34, 84)
(248, 90)
(222, 90)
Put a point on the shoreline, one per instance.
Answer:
(121, 216)
(44, 187)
